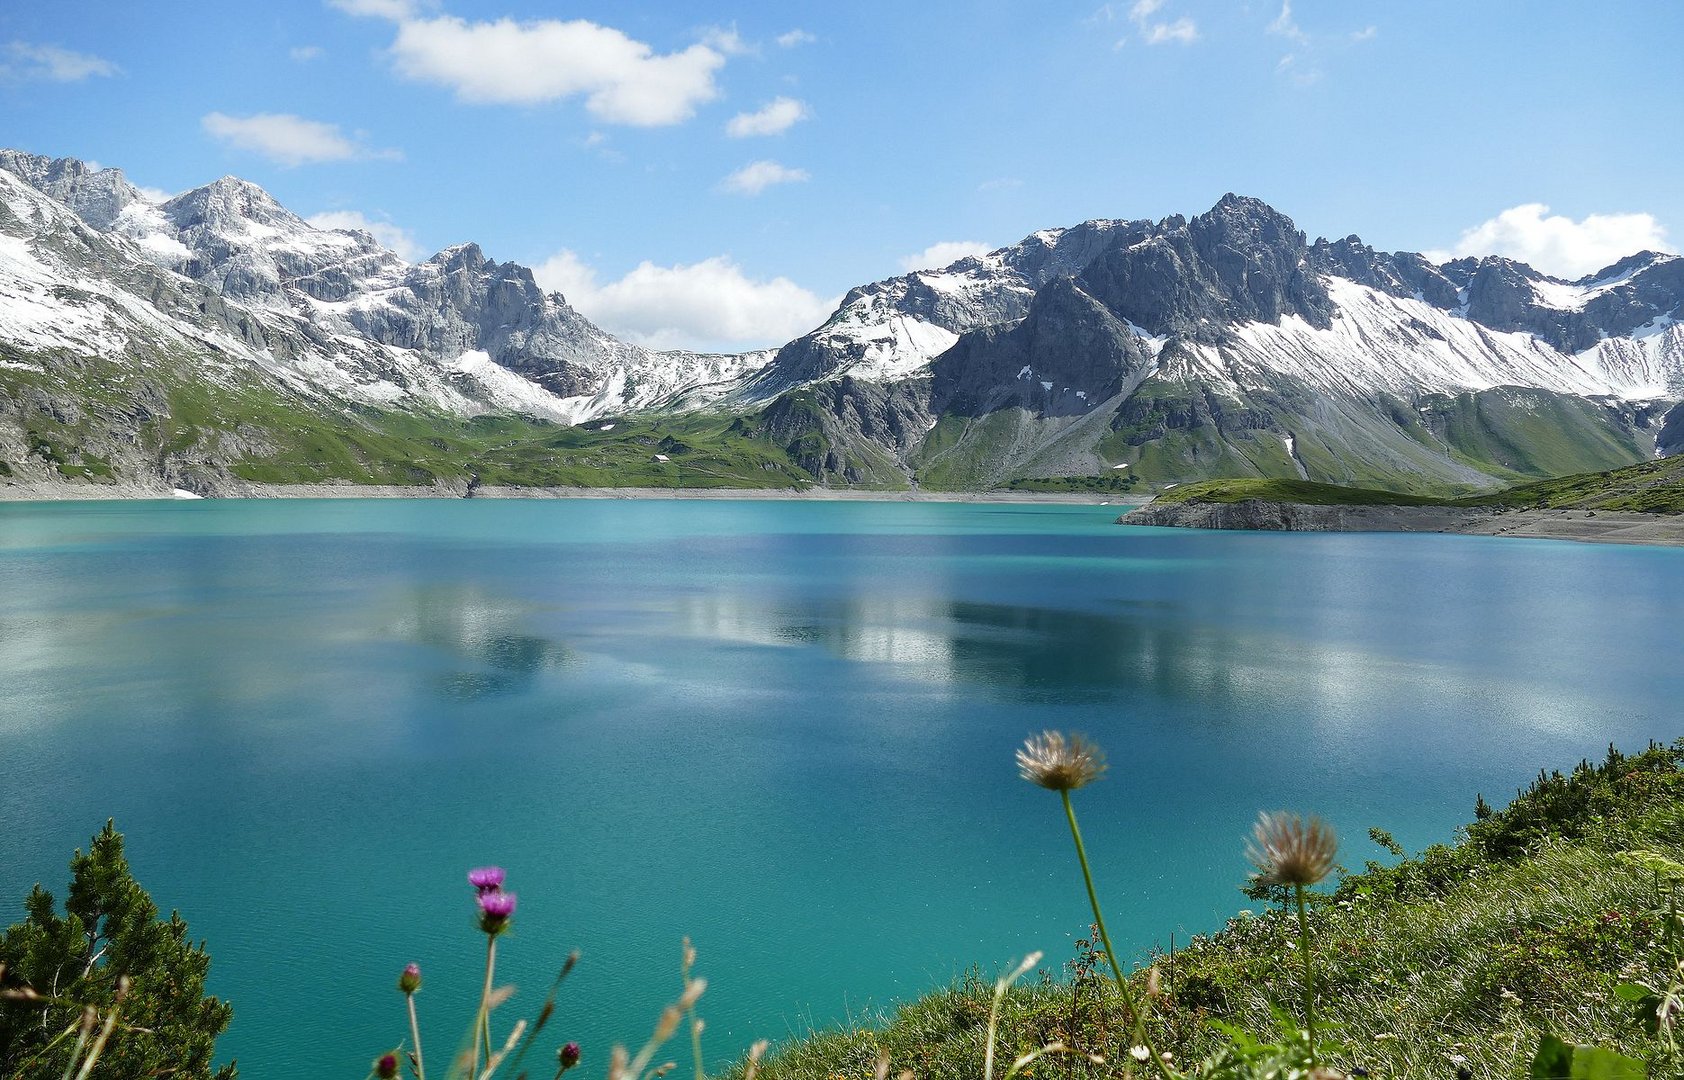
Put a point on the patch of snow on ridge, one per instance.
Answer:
(1648, 364)
(1382, 343)
(506, 390)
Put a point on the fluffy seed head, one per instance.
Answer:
(1060, 762)
(1290, 850)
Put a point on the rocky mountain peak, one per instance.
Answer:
(98, 196)
(231, 205)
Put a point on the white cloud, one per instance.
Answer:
(707, 305)
(757, 176)
(1284, 25)
(623, 81)
(303, 54)
(154, 195)
(792, 38)
(380, 9)
(939, 255)
(1182, 31)
(290, 140)
(396, 239)
(21, 60)
(1558, 245)
(1367, 33)
(728, 41)
(774, 118)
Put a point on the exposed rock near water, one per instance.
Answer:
(1597, 526)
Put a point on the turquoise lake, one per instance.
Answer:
(783, 728)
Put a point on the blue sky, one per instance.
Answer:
(718, 174)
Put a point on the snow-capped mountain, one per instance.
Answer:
(1227, 342)
(1223, 344)
(331, 311)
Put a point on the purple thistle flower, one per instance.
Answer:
(494, 911)
(486, 878)
(410, 980)
(387, 1067)
(569, 1056)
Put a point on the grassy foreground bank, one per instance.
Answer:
(1453, 963)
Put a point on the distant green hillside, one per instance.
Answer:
(1655, 487)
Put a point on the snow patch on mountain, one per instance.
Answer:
(1382, 343)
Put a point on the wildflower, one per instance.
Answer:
(486, 878)
(1063, 763)
(494, 911)
(1060, 762)
(410, 980)
(1139, 1053)
(1288, 850)
(568, 1056)
(387, 1067)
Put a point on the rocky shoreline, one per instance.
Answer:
(1594, 526)
(15, 491)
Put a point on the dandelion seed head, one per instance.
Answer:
(1060, 762)
(1290, 850)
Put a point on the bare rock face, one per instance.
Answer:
(1066, 356)
(1264, 516)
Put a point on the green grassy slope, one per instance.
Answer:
(105, 422)
(1461, 957)
(1650, 487)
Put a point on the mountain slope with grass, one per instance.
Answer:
(1112, 354)
(1643, 502)
(1456, 962)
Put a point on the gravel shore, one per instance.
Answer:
(44, 492)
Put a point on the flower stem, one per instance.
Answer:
(1309, 977)
(415, 1035)
(482, 1022)
(1141, 1035)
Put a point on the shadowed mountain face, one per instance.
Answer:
(1224, 344)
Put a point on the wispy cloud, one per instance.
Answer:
(303, 54)
(943, 254)
(1150, 21)
(1302, 65)
(381, 9)
(1285, 26)
(1558, 245)
(774, 118)
(712, 304)
(400, 241)
(790, 39)
(757, 176)
(291, 140)
(23, 61)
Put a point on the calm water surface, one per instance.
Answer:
(785, 729)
